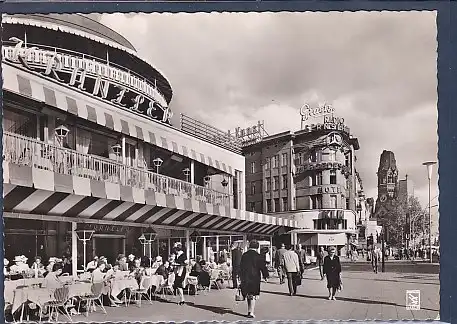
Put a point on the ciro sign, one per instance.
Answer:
(306, 112)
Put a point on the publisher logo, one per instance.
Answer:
(413, 299)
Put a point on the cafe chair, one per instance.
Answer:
(61, 297)
(213, 279)
(167, 287)
(93, 299)
(143, 290)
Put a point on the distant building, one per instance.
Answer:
(405, 188)
(309, 176)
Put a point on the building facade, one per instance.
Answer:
(88, 145)
(309, 176)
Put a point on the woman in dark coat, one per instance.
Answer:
(180, 275)
(252, 268)
(332, 270)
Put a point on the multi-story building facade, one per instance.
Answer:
(309, 176)
(88, 145)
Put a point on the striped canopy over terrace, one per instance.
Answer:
(42, 193)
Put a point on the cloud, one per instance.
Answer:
(231, 69)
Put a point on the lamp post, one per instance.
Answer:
(224, 184)
(61, 131)
(149, 236)
(157, 163)
(142, 240)
(117, 149)
(194, 237)
(84, 236)
(186, 172)
(429, 166)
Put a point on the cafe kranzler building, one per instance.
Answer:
(91, 159)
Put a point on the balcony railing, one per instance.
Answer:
(25, 151)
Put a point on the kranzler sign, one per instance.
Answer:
(110, 83)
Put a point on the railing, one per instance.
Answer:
(92, 64)
(21, 150)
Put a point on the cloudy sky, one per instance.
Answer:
(377, 69)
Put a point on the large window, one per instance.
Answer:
(284, 159)
(276, 183)
(268, 184)
(284, 182)
(332, 176)
(267, 163)
(277, 207)
(316, 202)
(317, 179)
(269, 209)
(253, 188)
(276, 161)
(333, 201)
(19, 123)
(252, 167)
(251, 206)
(285, 206)
(313, 157)
(332, 155)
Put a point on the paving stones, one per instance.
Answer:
(365, 295)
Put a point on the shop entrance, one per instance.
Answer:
(109, 246)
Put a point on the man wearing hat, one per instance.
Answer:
(20, 265)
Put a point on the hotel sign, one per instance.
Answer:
(101, 80)
(322, 166)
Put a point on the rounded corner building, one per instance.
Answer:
(91, 160)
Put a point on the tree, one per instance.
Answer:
(397, 216)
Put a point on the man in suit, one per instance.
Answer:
(279, 263)
(292, 268)
(320, 261)
(236, 261)
(301, 257)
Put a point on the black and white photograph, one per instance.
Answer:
(220, 166)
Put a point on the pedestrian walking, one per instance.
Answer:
(332, 270)
(375, 256)
(292, 267)
(301, 259)
(279, 265)
(320, 261)
(236, 261)
(252, 267)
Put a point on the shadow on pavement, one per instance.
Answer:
(353, 300)
(401, 281)
(215, 309)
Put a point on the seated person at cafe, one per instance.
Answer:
(38, 268)
(131, 262)
(20, 267)
(52, 281)
(98, 274)
(138, 271)
(162, 270)
(5, 269)
(67, 268)
(212, 264)
(92, 265)
(157, 263)
(122, 260)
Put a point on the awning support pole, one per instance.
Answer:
(74, 250)
(245, 243)
(187, 244)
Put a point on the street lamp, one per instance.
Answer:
(157, 163)
(84, 236)
(61, 131)
(186, 172)
(207, 180)
(117, 149)
(142, 240)
(429, 166)
(149, 237)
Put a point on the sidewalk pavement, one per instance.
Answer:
(365, 295)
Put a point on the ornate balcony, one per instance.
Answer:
(26, 151)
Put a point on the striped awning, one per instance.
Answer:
(41, 192)
(115, 118)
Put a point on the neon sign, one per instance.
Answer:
(307, 112)
(330, 123)
(98, 79)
